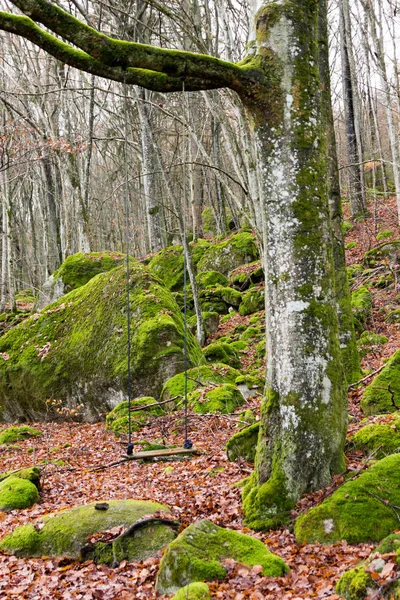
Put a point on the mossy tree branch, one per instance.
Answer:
(155, 68)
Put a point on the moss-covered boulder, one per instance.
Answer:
(253, 302)
(17, 493)
(361, 510)
(246, 275)
(383, 252)
(381, 439)
(193, 591)
(361, 304)
(243, 444)
(76, 271)
(225, 256)
(168, 263)
(383, 394)
(220, 352)
(76, 349)
(364, 580)
(117, 420)
(221, 399)
(197, 378)
(210, 322)
(31, 474)
(75, 533)
(370, 341)
(211, 279)
(198, 552)
(393, 316)
(11, 435)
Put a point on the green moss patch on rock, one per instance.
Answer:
(361, 510)
(361, 303)
(225, 256)
(247, 275)
(220, 352)
(393, 316)
(75, 350)
(243, 444)
(381, 253)
(383, 394)
(17, 434)
(211, 279)
(198, 552)
(222, 399)
(66, 533)
(253, 302)
(197, 378)
(168, 263)
(369, 341)
(118, 419)
(380, 439)
(193, 591)
(17, 493)
(31, 474)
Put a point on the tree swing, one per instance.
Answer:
(188, 448)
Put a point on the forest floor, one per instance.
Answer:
(202, 487)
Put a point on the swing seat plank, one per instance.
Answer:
(160, 453)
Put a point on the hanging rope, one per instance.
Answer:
(127, 246)
(187, 443)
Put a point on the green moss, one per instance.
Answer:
(197, 378)
(31, 474)
(381, 253)
(391, 543)
(354, 270)
(351, 245)
(393, 316)
(79, 268)
(353, 584)
(229, 254)
(220, 352)
(221, 399)
(193, 591)
(385, 234)
(347, 226)
(253, 334)
(382, 395)
(378, 438)
(168, 263)
(253, 302)
(214, 305)
(369, 341)
(245, 419)
(76, 347)
(359, 511)
(243, 444)
(198, 552)
(211, 279)
(247, 275)
(361, 303)
(17, 434)
(17, 493)
(66, 533)
(117, 420)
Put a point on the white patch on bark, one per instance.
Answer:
(289, 418)
(297, 306)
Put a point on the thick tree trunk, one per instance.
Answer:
(303, 422)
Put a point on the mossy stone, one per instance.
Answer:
(197, 378)
(354, 584)
(383, 394)
(225, 256)
(31, 474)
(220, 352)
(243, 444)
(214, 305)
(193, 591)
(393, 316)
(80, 268)
(198, 552)
(361, 304)
(17, 434)
(385, 234)
(211, 279)
(244, 277)
(361, 510)
(384, 251)
(368, 341)
(223, 399)
(168, 263)
(17, 493)
(380, 439)
(118, 419)
(253, 302)
(76, 349)
(65, 533)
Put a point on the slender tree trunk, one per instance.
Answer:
(4, 250)
(304, 422)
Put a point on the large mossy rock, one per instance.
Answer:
(198, 377)
(361, 510)
(198, 552)
(76, 271)
(222, 399)
(225, 256)
(243, 444)
(17, 493)
(211, 279)
(364, 581)
(66, 533)
(383, 394)
(381, 439)
(253, 301)
(193, 591)
(168, 263)
(31, 474)
(17, 434)
(221, 352)
(361, 304)
(118, 419)
(76, 349)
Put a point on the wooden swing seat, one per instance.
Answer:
(161, 453)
